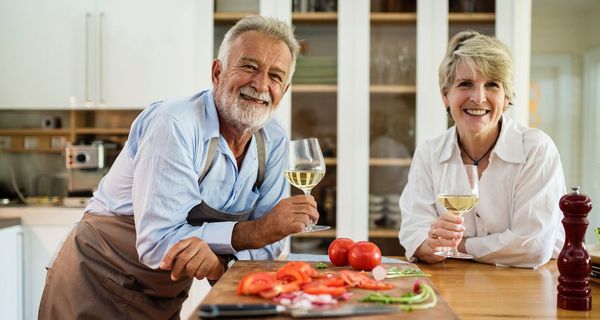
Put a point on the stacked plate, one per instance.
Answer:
(315, 70)
(393, 210)
(376, 211)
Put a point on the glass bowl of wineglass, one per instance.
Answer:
(458, 193)
(305, 169)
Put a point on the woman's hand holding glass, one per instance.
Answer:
(459, 193)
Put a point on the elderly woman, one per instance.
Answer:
(517, 219)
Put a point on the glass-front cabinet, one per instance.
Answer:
(358, 88)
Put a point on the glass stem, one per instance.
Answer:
(312, 223)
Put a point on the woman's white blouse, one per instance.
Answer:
(517, 221)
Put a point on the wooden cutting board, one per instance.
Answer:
(224, 290)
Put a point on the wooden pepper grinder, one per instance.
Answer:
(574, 265)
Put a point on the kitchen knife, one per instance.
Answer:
(267, 309)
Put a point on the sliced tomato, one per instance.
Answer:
(352, 278)
(318, 287)
(361, 280)
(372, 284)
(301, 266)
(333, 282)
(256, 282)
(279, 288)
(292, 275)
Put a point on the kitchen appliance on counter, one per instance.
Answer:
(85, 156)
(86, 164)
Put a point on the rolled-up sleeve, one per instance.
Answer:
(417, 202)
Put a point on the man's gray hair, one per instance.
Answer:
(270, 26)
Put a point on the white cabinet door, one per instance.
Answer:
(43, 55)
(148, 51)
(11, 273)
(41, 242)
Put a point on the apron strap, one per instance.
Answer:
(210, 157)
(262, 155)
(260, 146)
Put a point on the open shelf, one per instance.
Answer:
(394, 17)
(104, 131)
(35, 132)
(393, 89)
(475, 17)
(313, 88)
(314, 17)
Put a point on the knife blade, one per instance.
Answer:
(268, 309)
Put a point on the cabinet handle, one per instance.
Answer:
(88, 17)
(101, 59)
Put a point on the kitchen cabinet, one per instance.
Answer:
(369, 113)
(11, 273)
(103, 53)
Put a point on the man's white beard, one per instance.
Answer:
(242, 115)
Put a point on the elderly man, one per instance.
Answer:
(198, 183)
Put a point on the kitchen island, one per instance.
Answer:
(479, 291)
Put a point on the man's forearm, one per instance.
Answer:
(248, 235)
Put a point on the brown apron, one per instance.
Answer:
(97, 273)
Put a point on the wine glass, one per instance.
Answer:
(305, 169)
(459, 193)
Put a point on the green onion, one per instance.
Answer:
(395, 272)
(408, 301)
(321, 265)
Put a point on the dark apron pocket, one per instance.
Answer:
(137, 305)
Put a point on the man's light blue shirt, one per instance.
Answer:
(155, 178)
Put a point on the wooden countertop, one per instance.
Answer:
(479, 291)
(9, 222)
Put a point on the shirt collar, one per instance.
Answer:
(211, 123)
(509, 146)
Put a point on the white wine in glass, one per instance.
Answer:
(305, 169)
(459, 193)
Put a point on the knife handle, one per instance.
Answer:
(239, 310)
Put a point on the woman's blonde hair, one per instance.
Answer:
(487, 55)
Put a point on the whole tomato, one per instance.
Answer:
(338, 251)
(364, 255)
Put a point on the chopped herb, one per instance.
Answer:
(321, 265)
(422, 297)
(395, 272)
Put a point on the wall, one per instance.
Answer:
(562, 29)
